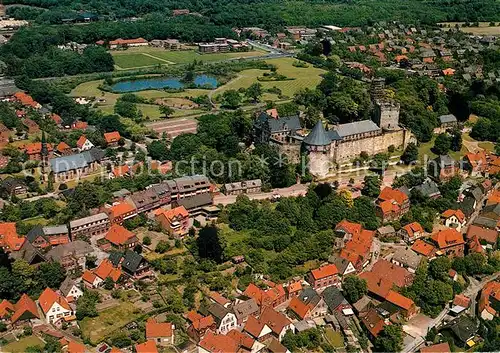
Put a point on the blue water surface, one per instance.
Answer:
(161, 82)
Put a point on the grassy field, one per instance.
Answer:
(484, 28)
(335, 338)
(109, 320)
(308, 77)
(148, 56)
(21, 345)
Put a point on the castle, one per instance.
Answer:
(327, 149)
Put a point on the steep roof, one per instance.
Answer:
(318, 136)
(275, 320)
(112, 137)
(242, 339)
(390, 194)
(413, 228)
(6, 308)
(74, 347)
(245, 309)
(106, 269)
(447, 237)
(457, 213)
(399, 300)
(488, 235)
(49, 297)
(384, 275)
(299, 307)
(66, 286)
(333, 297)
(214, 343)
(25, 309)
(437, 348)
(120, 209)
(9, 238)
(423, 248)
(132, 260)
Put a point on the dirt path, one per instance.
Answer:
(157, 58)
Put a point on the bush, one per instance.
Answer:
(162, 247)
(147, 240)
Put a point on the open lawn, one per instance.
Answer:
(308, 77)
(334, 338)
(109, 320)
(148, 56)
(21, 345)
(425, 151)
(484, 28)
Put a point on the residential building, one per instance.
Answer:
(31, 125)
(71, 256)
(245, 309)
(344, 266)
(485, 235)
(136, 42)
(152, 198)
(43, 237)
(443, 168)
(175, 221)
(63, 149)
(132, 264)
(215, 343)
(121, 238)
(75, 166)
(112, 138)
(120, 211)
(89, 227)
(454, 219)
(411, 232)
(146, 347)
(437, 348)
(449, 242)
(34, 151)
(55, 307)
(373, 322)
(9, 239)
(392, 204)
(424, 248)
(383, 276)
(407, 258)
(429, 188)
(15, 186)
(357, 250)
(161, 333)
(270, 323)
(448, 121)
(187, 186)
(84, 144)
(315, 302)
(28, 253)
(333, 298)
(70, 290)
(225, 319)
(200, 325)
(24, 310)
(407, 307)
(26, 100)
(243, 187)
(4, 135)
(489, 302)
(323, 277)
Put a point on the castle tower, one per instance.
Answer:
(318, 145)
(386, 110)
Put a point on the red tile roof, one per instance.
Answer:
(254, 326)
(423, 248)
(173, 213)
(155, 329)
(413, 228)
(325, 271)
(218, 298)
(6, 308)
(193, 316)
(491, 289)
(26, 99)
(74, 347)
(399, 300)
(112, 137)
(384, 276)
(275, 320)
(121, 209)
(204, 322)
(106, 269)
(89, 277)
(447, 237)
(299, 307)
(146, 347)
(25, 304)
(349, 227)
(49, 297)
(488, 235)
(389, 194)
(461, 300)
(36, 148)
(121, 41)
(242, 339)
(9, 239)
(218, 343)
(119, 235)
(62, 147)
(457, 213)
(56, 118)
(294, 287)
(81, 141)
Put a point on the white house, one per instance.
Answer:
(84, 144)
(454, 219)
(55, 307)
(162, 333)
(91, 280)
(70, 290)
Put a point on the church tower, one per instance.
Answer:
(44, 154)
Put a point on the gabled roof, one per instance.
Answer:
(299, 307)
(9, 238)
(384, 275)
(6, 308)
(63, 147)
(349, 227)
(89, 277)
(399, 300)
(333, 297)
(74, 347)
(357, 127)
(120, 209)
(390, 194)
(488, 235)
(118, 235)
(106, 269)
(324, 271)
(423, 248)
(245, 309)
(49, 297)
(66, 286)
(413, 228)
(275, 320)
(146, 347)
(437, 348)
(111, 137)
(174, 213)
(25, 309)
(457, 213)
(242, 339)
(449, 118)
(213, 343)
(155, 329)
(132, 260)
(447, 237)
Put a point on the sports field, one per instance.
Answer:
(308, 77)
(133, 58)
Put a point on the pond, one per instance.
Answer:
(162, 82)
